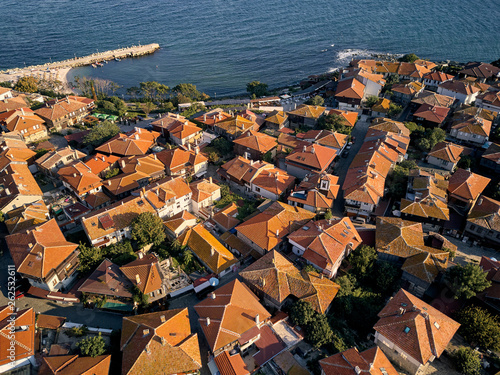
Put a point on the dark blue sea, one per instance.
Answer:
(220, 45)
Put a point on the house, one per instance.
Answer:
(474, 130)
(27, 216)
(23, 341)
(100, 164)
(305, 115)
(381, 108)
(315, 193)
(445, 155)
(52, 161)
(183, 161)
(278, 282)
(226, 218)
(83, 99)
(483, 72)
(422, 259)
(211, 118)
(412, 333)
(351, 362)
(268, 230)
(489, 100)
(159, 343)
(350, 93)
(231, 317)
(431, 98)
(363, 188)
(404, 92)
(426, 198)
(44, 257)
(373, 82)
(97, 200)
(491, 158)
(177, 224)
(491, 295)
(311, 159)
(465, 92)
(17, 186)
(350, 118)
(135, 142)
(137, 172)
(9, 104)
(5, 93)
(465, 187)
(230, 364)
(276, 120)
(79, 179)
(432, 80)
(483, 221)
(107, 280)
(325, 243)
(176, 127)
(412, 71)
(145, 274)
(234, 127)
(73, 364)
(61, 113)
(430, 116)
(205, 194)
(253, 145)
(211, 253)
(113, 223)
(261, 178)
(327, 138)
(26, 122)
(168, 197)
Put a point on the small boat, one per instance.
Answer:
(99, 64)
(117, 59)
(94, 66)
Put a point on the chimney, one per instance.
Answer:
(212, 251)
(141, 255)
(30, 245)
(177, 116)
(304, 148)
(145, 332)
(277, 232)
(163, 341)
(22, 111)
(220, 116)
(122, 162)
(321, 275)
(136, 136)
(137, 279)
(212, 295)
(186, 122)
(248, 134)
(189, 146)
(205, 117)
(208, 321)
(196, 150)
(262, 281)
(109, 184)
(7, 191)
(210, 179)
(480, 201)
(312, 150)
(257, 319)
(162, 319)
(103, 159)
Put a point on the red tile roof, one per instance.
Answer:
(350, 88)
(79, 177)
(24, 337)
(372, 361)
(136, 142)
(349, 117)
(231, 364)
(432, 113)
(417, 328)
(256, 141)
(461, 87)
(73, 364)
(107, 280)
(447, 151)
(315, 156)
(100, 162)
(466, 184)
(144, 273)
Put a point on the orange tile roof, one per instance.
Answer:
(277, 117)
(461, 87)
(268, 228)
(160, 192)
(438, 76)
(12, 103)
(236, 125)
(447, 151)
(390, 126)
(185, 130)
(203, 189)
(314, 156)
(408, 88)
(96, 199)
(22, 119)
(53, 158)
(425, 266)
(100, 162)
(73, 364)
(231, 364)
(274, 180)
(372, 361)
(429, 97)
(58, 109)
(136, 142)
(256, 141)
(107, 280)
(40, 251)
(27, 216)
(144, 273)
(179, 158)
(17, 178)
(473, 125)
(24, 337)
(277, 277)
(49, 321)
(326, 241)
(79, 177)
(226, 217)
(417, 328)
(466, 184)
(350, 88)
(208, 248)
(230, 314)
(382, 106)
(311, 192)
(122, 214)
(428, 206)
(350, 117)
(159, 343)
(213, 117)
(174, 222)
(432, 113)
(486, 213)
(308, 111)
(364, 184)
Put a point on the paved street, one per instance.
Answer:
(343, 164)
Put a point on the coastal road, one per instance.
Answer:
(343, 164)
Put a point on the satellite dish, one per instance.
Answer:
(213, 281)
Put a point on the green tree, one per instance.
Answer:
(338, 343)
(147, 228)
(467, 361)
(6, 84)
(302, 313)
(328, 214)
(424, 144)
(153, 91)
(334, 123)
(316, 101)
(213, 157)
(394, 110)
(413, 127)
(371, 101)
(190, 90)
(222, 145)
(147, 107)
(112, 173)
(268, 157)
(257, 88)
(466, 162)
(398, 178)
(101, 133)
(26, 84)
(139, 297)
(466, 281)
(387, 276)
(318, 331)
(479, 327)
(437, 135)
(409, 58)
(2, 217)
(90, 257)
(92, 346)
(362, 260)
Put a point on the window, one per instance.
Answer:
(257, 189)
(436, 324)
(54, 282)
(407, 329)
